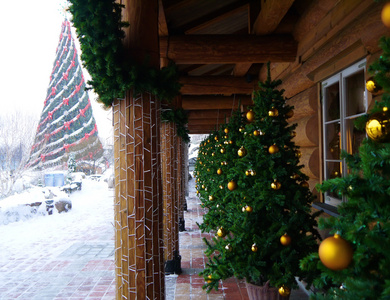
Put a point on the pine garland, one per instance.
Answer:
(178, 116)
(99, 28)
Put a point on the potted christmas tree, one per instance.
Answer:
(355, 262)
(265, 223)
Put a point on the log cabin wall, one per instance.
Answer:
(331, 36)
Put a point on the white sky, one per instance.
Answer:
(29, 35)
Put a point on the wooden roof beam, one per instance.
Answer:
(215, 102)
(228, 49)
(212, 114)
(208, 85)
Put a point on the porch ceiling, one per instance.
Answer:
(220, 46)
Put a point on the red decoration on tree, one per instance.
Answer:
(67, 125)
(82, 112)
(42, 157)
(53, 91)
(66, 147)
(50, 115)
(65, 101)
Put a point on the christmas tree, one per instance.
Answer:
(355, 262)
(264, 225)
(66, 123)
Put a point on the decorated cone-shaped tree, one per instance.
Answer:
(355, 263)
(217, 154)
(267, 225)
(67, 123)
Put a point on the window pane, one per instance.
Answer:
(353, 136)
(332, 143)
(333, 170)
(332, 102)
(355, 89)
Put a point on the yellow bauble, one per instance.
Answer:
(209, 279)
(211, 197)
(253, 172)
(219, 171)
(241, 152)
(273, 112)
(221, 187)
(256, 132)
(202, 186)
(285, 240)
(241, 129)
(230, 142)
(371, 86)
(254, 248)
(212, 154)
(378, 127)
(232, 185)
(247, 172)
(385, 14)
(250, 115)
(223, 150)
(276, 185)
(284, 291)
(298, 154)
(216, 138)
(221, 232)
(335, 253)
(273, 149)
(248, 208)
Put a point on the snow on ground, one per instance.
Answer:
(92, 207)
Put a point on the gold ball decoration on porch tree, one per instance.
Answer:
(285, 239)
(276, 185)
(211, 197)
(241, 152)
(232, 185)
(284, 291)
(385, 14)
(219, 171)
(223, 150)
(372, 86)
(228, 248)
(226, 130)
(221, 232)
(273, 112)
(273, 149)
(250, 116)
(254, 248)
(378, 127)
(335, 253)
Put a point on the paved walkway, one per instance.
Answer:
(76, 260)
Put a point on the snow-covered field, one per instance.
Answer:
(92, 207)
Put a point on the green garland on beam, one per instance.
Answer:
(99, 29)
(180, 117)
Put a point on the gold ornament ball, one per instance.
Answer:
(253, 172)
(202, 186)
(247, 172)
(385, 14)
(293, 134)
(230, 142)
(241, 152)
(273, 149)
(211, 197)
(241, 129)
(228, 248)
(221, 187)
(372, 87)
(248, 208)
(209, 279)
(243, 209)
(256, 132)
(273, 112)
(285, 239)
(250, 115)
(289, 114)
(305, 184)
(219, 171)
(212, 154)
(221, 232)
(378, 127)
(254, 248)
(298, 154)
(223, 150)
(216, 138)
(284, 291)
(226, 130)
(335, 253)
(276, 185)
(232, 185)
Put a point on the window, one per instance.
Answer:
(344, 98)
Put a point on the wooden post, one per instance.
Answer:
(138, 191)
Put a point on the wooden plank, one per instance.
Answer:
(271, 13)
(228, 49)
(223, 85)
(215, 102)
(241, 69)
(213, 114)
(307, 132)
(162, 22)
(305, 104)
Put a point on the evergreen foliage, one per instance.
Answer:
(364, 219)
(271, 197)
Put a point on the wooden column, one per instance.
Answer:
(138, 192)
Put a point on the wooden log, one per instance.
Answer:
(307, 132)
(311, 161)
(224, 85)
(202, 129)
(228, 49)
(211, 114)
(271, 13)
(215, 102)
(305, 104)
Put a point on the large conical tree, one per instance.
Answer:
(355, 263)
(67, 123)
(266, 225)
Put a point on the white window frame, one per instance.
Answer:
(341, 79)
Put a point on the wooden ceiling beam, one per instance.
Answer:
(222, 85)
(271, 13)
(215, 102)
(228, 49)
(201, 129)
(211, 114)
